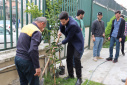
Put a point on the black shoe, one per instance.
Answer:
(81, 66)
(109, 59)
(68, 77)
(123, 80)
(115, 60)
(123, 53)
(79, 81)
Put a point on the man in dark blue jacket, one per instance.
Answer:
(75, 40)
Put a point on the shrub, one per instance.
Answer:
(126, 19)
(108, 28)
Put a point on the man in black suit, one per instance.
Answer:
(75, 40)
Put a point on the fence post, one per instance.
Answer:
(90, 24)
(21, 13)
(4, 13)
(16, 21)
(11, 30)
(26, 13)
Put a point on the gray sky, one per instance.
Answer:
(122, 2)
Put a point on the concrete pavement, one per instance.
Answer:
(108, 73)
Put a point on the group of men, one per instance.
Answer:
(117, 35)
(27, 57)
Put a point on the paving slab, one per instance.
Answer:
(108, 73)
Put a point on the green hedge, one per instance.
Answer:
(109, 26)
(126, 19)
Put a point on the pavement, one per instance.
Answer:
(108, 73)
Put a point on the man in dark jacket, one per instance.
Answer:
(98, 34)
(74, 38)
(123, 38)
(116, 34)
(27, 56)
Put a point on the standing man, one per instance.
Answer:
(122, 43)
(74, 38)
(116, 34)
(78, 19)
(123, 38)
(27, 56)
(98, 34)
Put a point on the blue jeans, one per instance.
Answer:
(26, 72)
(98, 43)
(112, 41)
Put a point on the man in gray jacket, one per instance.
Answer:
(98, 33)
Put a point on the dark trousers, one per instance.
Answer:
(122, 43)
(26, 72)
(71, 51)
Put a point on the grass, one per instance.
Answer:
(92, 83)
(60, 81)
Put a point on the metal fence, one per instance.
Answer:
(13, 17)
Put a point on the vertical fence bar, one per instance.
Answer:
(4, 13)
(31, 15)
(64, 5)
(76, 7)
(16, 20)
(67, 5)
(21, 13)
(35, 2)
(11, 30)
(71, 7)
(39, 4)
(78, 4)
(26, 13)
(90, 24)
(0, 13)
(43, 7)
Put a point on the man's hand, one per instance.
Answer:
(108, 38)
(60, 43)
(103, 35)
(93, 38)
(120, 39)
(59, 33)
(81, 29)
(38, 72)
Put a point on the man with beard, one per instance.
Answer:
(116, 34)
(98, 34)
(78, 19)
(74, 38)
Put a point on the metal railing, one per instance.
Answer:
(16, 9)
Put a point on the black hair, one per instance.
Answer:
(80, 12)
(118, 12)
(122, 16)
(63, 15)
